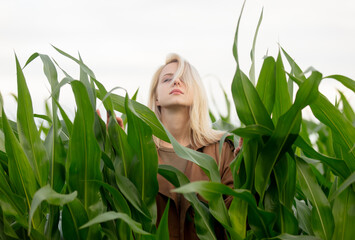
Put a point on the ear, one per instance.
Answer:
(157, 102)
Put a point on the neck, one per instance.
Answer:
(177, 121)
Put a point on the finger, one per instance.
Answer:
(120, 122)
(237, 150)
(98, 112)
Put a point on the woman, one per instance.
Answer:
(178, 98)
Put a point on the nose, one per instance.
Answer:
(177, 81)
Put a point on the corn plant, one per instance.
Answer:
(85, 179)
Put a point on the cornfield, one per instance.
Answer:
(83, 179)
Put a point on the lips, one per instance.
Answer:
(176, 91)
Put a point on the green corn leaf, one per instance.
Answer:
(330, 115)
(145, 169)
(282, 97)
(350, 180)
(322, 218)
(285, 133)
(286, 236)
(131, 193)
(74, 216)
(21, 176)
(28, 133)
(296, 70)
(83, 163)
(68, 123)
(347, 82)
(252, 131)
(249, 106)
(89, 86)
(203, 219)
(250, 155)
(338, 166)
(266, 84)
(304, 216)
(212, 190)
(252, 52)
(163, 229)
(347, 109)
(204, 161)
(46, 193)
(108, 216)
(10, 203)
(119, 201)
(235, 43)
(340, 125)
(238, 212)
(120, 143)
(144, 113)
(343, 212)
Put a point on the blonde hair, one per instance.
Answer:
(201, 132)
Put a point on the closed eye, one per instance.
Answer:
(167, 79)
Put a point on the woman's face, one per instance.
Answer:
(172, 93)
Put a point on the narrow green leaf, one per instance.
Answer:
(46, 193)
(347, 82)
(108, 216)
(145, 169)
(304, 216)
(286, 236)
(163, 230)
(28, 133)
(249, 106)
(266, 84)
(252, 131)
(83, 163)
(343, 212)
(131, 193)
(252, 52)
(235, 43)
(350, 180)
(325, 112)
(74, 216)
(282, 97)
(120, 143)
(322, 218)
(347, 109)
(338, 166)
(20, 173)
(147, 115)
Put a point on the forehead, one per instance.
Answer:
(169, 69)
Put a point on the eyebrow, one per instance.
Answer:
(168, 74)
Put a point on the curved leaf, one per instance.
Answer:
(28, 133)
(322, 218)
(249, 106)
(266, 84)
(108, 216)
(46, 193)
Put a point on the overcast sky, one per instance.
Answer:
(124, 42)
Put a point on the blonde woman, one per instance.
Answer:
(178, 98)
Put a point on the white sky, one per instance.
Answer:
(124, 42)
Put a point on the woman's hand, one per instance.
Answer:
(237, 150)
(118, 119)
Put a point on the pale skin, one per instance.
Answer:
(174, 100)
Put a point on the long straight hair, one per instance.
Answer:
(201, 133)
